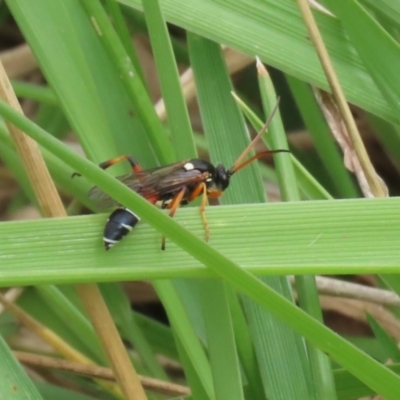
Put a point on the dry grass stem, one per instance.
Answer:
(95, 371)
(339, 288)
(316, 38)
(357, 309)
(11, 295)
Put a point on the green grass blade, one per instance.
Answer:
(213, 82)
(223, 124)
(15, 383)
(382, 65)
(389, 136)
(120, 308)
(125, 37)
(177, 114)
(131, 79)
(221, 344)
(388, 344)
(389, 9)
(224, 127)
(366, 244)
(60, 172)
(276, 33)
(9, 156)
(159, 335)
(194, 358)
(42, 94)
(349, 388)
(50, 392)
(247, 354)
(277, 138)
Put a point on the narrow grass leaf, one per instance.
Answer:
(348, 387)
(386, 51)
(50, 392)
(159, 335)
(317, 371)
(307, 183)
(40, 93)
(125, 37)
(194, 358)
(322, 138)
(15, 383)
(224, 128)
(389, 137)
(247, 354)
(221, 345)
(388, 344)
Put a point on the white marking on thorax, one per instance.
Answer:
(188, 166)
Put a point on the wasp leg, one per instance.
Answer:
(202, 189)
(106, 164)
(173, 206)
(134, 164)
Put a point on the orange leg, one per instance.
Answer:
(134, 164)
(202, 189)
(173, 206)
(106, 164)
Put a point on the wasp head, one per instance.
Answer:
(219, 181)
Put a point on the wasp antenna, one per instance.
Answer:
(257, 156)
(246, 151)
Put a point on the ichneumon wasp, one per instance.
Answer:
(171, 186)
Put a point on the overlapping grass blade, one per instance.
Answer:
(227, 135)
(177, 114)
(369, 371)
(218, 118)
(386, 51)
(275, 32)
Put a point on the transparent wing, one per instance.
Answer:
(152, 184)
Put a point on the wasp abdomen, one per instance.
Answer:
(119, 224)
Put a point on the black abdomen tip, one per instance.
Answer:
(119, 224)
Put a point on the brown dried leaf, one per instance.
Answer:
(358, 309)
(339, 131)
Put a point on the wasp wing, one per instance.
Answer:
(152, 183)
